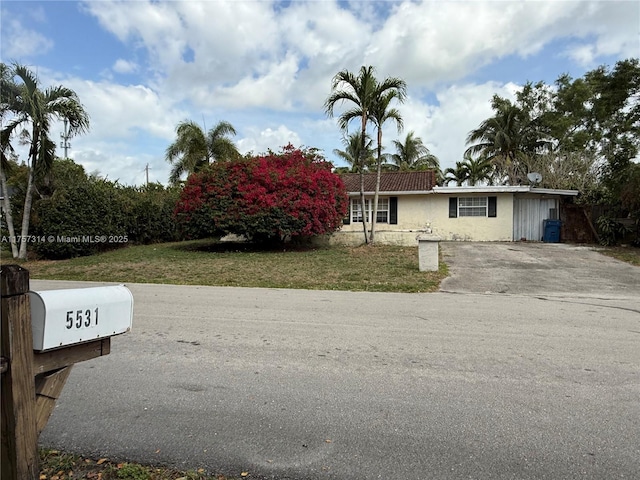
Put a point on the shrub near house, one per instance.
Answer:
(268, 198)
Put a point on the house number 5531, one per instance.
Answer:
(82, 318)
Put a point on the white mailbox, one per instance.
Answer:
(64, 317)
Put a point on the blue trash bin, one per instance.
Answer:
(551, 231)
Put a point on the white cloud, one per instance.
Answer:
(605, 31)
(115, 163)
(38, 14)
(433, 42)
(259, 141)
(119, 111)
(270, 90)
(19, 42)
(267, 67)
(125, 66)
(462, 108)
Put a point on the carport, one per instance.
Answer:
(531, 210)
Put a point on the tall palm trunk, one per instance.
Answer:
(363, 154)
(28, 198)
(7, 214)
(374, 208)
(26, 213)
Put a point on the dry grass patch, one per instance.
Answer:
(626, 254)
(369, 268)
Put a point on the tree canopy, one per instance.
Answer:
(592, 120)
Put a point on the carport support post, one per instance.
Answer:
(19, 434)
(428, 255)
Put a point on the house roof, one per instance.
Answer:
(391, 182)
(504, 189)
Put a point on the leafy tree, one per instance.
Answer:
(194, 149)
(351, 153)
(597, 114)
(412, 154)
(631, 191)
(33, 110)
(568, 170)
(600, 113)
(267, 199)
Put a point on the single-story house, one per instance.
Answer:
(410, 204)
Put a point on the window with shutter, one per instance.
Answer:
(453, 207)
(493, 207)
(393, 210)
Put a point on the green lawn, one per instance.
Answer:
(375, 268)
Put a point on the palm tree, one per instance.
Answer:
(35, 108)
(506, 140)
(390, 89)
(412, 154)
(8, 93)
(478, 170)
(351, 153)
(460, 174)
(194, 149)
(361, 91)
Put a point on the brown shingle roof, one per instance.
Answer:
(391, 181)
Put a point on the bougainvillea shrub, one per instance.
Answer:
(268, 198)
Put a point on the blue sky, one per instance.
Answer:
(140, 67)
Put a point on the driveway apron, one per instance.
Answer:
(526, 268)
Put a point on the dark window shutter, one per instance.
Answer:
(393, 210)
(453, 207)
(347, 220)
(493, 205)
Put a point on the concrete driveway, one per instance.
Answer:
(537, 269)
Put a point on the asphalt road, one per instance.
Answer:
(292, 384)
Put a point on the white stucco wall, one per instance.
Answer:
(478, 229)
(411, 216)
(415, 212)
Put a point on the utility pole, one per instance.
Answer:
(65, 139)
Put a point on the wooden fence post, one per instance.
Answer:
(20, 460)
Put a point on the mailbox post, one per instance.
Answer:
(428, 253)
(43, 335)
(19, 436)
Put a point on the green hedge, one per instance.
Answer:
(85, 215)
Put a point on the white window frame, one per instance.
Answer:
(473, 206)
(382, 214)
